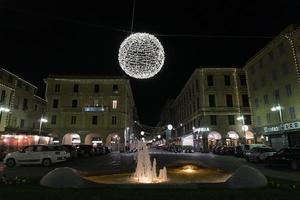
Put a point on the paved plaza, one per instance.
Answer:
(125, 162)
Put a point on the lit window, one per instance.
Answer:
(114, 104)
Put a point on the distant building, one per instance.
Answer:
(273, 77)
(26, 108)
(207, 108)
(90, 109)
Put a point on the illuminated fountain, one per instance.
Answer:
(145, 170)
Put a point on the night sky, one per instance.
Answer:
(73, 37)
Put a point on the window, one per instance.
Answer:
(211, 100)
(274, 75)
(27, 87)
(114, 104)
(3, 92)
(263, 80)
(281, 48)
(247, 119)
(115, 88)
(288, 89)
(197, 85)
(22, 123)
(285, 68)
(256, 102)
(213, 120)
(229, 101)
(57, 88)
(292, 113)
(194, 106)
(73, 120)
(96, 102)
(10, 79)
(19, 83)
(243, 81)
(53, 119)
(55, 103)
(266, 99)
(258, 121)
(210, 80)
(271, 56)
(231, 120)
(245, 100)
(268, 116)
(193, 89)
(277, 95)
(96, 88)
(74, 103)
(113, 120)
(94, 120)
(198, 103)
(227, 80)
(75, 88)
(25, 104)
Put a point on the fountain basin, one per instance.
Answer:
(176, 175)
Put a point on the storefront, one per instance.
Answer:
(280, 136)
(187, 140)
(232, 138)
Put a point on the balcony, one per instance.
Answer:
(94, 109)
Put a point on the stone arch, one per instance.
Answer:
(249, 136)
(214, 139)
(71, 138)
(93, 138)
(113, 141)
(232, 138)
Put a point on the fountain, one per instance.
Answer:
(145, 170)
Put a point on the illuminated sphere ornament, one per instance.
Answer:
(141, 55)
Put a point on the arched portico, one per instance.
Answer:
(214, 139)
(71, 138)
(113, 142)
(232, 138)
(93, 138)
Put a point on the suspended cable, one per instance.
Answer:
(132, 17)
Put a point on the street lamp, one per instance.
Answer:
(142, 133)
(170, 127)
(158, 136)
(244, 127)
(42, 120)
(279, 109)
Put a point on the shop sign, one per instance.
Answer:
(285, 127)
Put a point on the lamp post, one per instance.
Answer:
(42, 120)
(279, 108)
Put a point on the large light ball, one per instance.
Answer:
(170, 126)
(141, 55)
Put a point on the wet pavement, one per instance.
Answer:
(125, 162)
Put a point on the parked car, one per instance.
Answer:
(238, 151)
(71, 149)
(259, 154)
(37, 154)
(227, 151)
(247, 147)
(85, 150)
(217, 150)
(187, 149)
(286, 157)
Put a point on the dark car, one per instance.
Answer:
(227, 151)
(85, 150)
(238, 152)
(285, 157)
(217, 150)
(72, 150)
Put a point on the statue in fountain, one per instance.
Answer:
(145, 170)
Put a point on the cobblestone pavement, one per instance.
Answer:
(121, 162)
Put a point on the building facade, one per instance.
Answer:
(92, 108)
(25, 107)
(273, 76)
(207, 109)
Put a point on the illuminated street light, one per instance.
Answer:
(158, 136)
(3, 109)
(42, 120)
(142, 133)
(170, 127)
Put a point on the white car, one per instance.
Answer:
(37, 154)
(259, 154)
